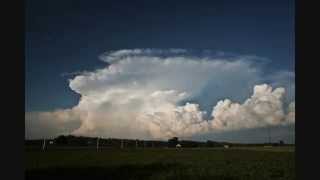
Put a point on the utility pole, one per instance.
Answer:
(136, 143)
(269, 134)
(44, 144)
(97, 144)
(121, 143)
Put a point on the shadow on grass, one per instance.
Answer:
(120, 172)
(127, 172)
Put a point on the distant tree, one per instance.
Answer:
(215, 144)
(173, 142)
(281, 143)
(190, 144)
(61, 140)
(210, 143)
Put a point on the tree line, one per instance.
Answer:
(70, 140)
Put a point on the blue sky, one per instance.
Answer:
(219, 70)
(68, 36)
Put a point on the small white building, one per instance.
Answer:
(226, 146)
(178, 146)
(50, 142)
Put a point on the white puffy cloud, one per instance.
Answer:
(144, 93)
(263, 108)
(291, 113)
(52, 123)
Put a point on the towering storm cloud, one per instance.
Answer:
(150, 93)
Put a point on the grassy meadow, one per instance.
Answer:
(162, 163)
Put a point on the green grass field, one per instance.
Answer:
(241, 163)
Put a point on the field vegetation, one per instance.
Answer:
(238, 163)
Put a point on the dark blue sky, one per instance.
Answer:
(68, 36)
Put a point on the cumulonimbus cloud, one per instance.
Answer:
(147, 93)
